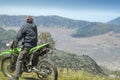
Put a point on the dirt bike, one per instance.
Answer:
(44, 68)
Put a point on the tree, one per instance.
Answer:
(45, 37)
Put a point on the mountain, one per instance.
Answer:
(45, 21)
(96, 28)
(115, 21)
(6, 20)
(84, 28)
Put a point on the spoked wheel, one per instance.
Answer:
(47, 71)
(6, 68)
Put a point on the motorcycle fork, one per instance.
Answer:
(13, 62)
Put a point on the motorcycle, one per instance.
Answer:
(43, 68)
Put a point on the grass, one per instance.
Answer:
(65, 74)
(81, 75)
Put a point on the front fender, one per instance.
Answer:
(6, 52)
(15, 51)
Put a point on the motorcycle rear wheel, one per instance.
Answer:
(47, 70)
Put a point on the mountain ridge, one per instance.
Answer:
(45, 21)
(84, 28)
(95, 29)
(115, 21)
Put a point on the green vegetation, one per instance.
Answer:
(46, 37)
(75, 62)
(65, 74)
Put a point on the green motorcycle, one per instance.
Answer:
(44, 68)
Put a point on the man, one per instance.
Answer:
(28, 33)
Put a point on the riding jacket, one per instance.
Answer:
(28, 33)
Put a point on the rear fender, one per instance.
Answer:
(34, 49)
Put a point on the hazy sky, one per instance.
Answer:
(90, 10)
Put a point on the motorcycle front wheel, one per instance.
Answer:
(47, 70)
(6, 67)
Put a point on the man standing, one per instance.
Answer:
(28, 33)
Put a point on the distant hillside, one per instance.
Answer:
(85, 28)
(96, 28)
(6, 20)
(5, 36)
(45, 21)
(115, 21)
